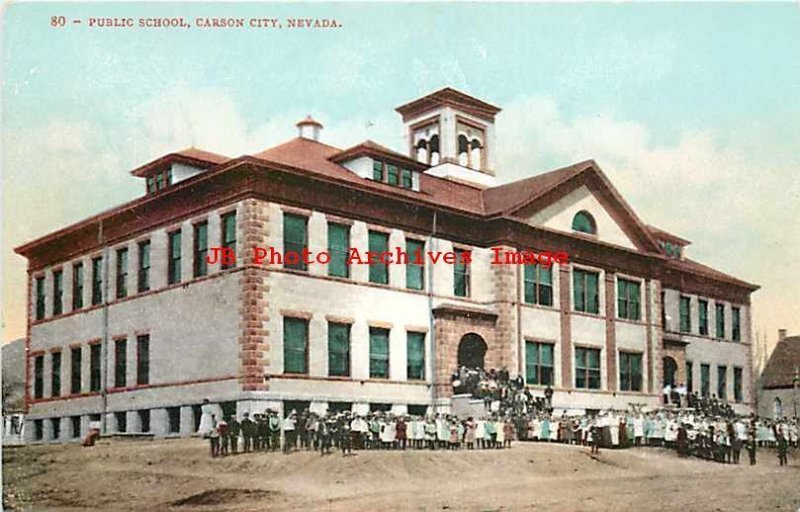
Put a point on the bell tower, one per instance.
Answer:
(453, 133)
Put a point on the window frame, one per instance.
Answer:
(120, 363)
(95, 360)
(722, 382)
(75, 377)
(38, 377)
(142, 359)
(685, 316)
(412, 267)
(534, 291)
(461, 268)
(629, 303)
(55, 373)
(534, 367)
(58, 292)
(97, 280)
(200, 249)
(174, 256)
(585, 291)
(77, 286)
(292, 245)
(378, 271)
(41, 300)
(287, 349)
(121, 284)
(719, 320)
(705, 380)
(736, 323)
(626, 367)
(379, 334)
(412, 338)
(582, 366)
(143, 267)
(346, 354)
(702, 307)
(226, 228)
(339, 255)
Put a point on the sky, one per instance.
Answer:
(692, 110)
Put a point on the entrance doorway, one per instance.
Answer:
(471, 351)
(670, 368)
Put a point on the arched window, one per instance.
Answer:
(422, 151)
(777, 408)
(463, 150)
(434, 150)
(475, 154)
(583, 222)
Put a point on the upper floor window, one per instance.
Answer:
(736, 324)
(338, 248)
(583, 222)
(295, 345)
(295, 241)
(393, 175)
(58, 292)
(587, 368)
(686, 314)
(702, 306)
(174, 258)
(200, 264)
(97, 281)
(628, 294)
(539, 363)
(585, 291)
(143, 277)
(378, 271)
(630, 371)
(38, 377)
(461, 284)
(470, 145)
(77, 286)
(40, 298)
(229, 237)
(122, 273)
(426, 144)
(538, 285)
(415, 269)
(720, 319)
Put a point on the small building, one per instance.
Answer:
(778, 393)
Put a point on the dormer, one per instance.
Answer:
(377, 163)
(672, 246)
(176, 167)
(453, 133)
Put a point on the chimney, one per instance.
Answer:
(781, 335)
(309, 128)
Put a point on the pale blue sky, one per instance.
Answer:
(691, 109)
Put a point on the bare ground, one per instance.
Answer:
(178, 475)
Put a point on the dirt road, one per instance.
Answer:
(179, 475)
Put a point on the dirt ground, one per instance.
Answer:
(179, 475)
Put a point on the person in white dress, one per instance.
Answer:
(206, 419)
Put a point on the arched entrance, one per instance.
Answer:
(471, 351)
(670, 368)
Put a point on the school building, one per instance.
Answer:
(128, 323)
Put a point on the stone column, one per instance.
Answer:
(611, 334)
(564, 288)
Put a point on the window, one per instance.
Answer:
(705, 380)
(630, 371)
(168, 177)
(539, 363)
(377, 170)
(538, 285)
(55, 374)
(702, 305)
(339, 350)
(94, 367)
(737, 384)
(686, 314)
(120, 363)
(39, 298)
(151, 185)
(719, 310)
(38, 377)
(392, 176)
(689, 377)
(143, 278)
(722, 382)
(415, 356)
(122, 421)
(122, 273)
(295, 345)
(77, 286)
(406, 179)
(338, 407)
(338, 248)
(38, 430)
(159, 181)
(229, 237)
(55, 423)
(200, 265)
(143, 359)
(75, 370)
(295, 240)
(736, 326)
(97, 281)
(585, 292)
(144, 420)
(174, 258)
(583, 222)
(76, 426)
(461, 284)
(58, 292)
(378, 353)
(174, 419)
(378, 271)
(197, 413)
(628, 294)
(415, 269)
(587, 368)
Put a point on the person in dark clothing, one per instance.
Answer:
(248, 429)
(262, 432)
(548, 395)
(683, 441)
(783, 449)
(751, 449)
(234, 428)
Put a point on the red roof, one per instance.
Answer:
(189, 156)
(450, 97)
(370, 148)
(783, 363)
(695, 267)
(667, 236)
